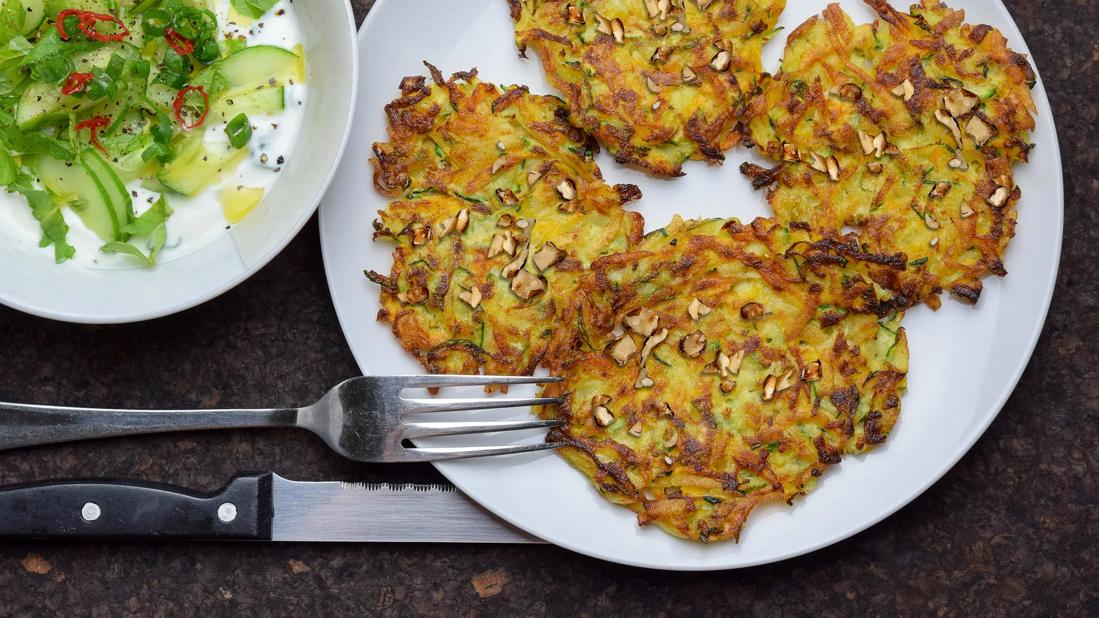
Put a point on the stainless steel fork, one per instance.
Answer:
(363, 419)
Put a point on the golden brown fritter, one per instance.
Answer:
(906, 129)
(722, 375)
(657, 81)
(499, 210)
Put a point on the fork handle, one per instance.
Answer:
(23, 425)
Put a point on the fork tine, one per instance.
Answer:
(450, 453)
(415, 406)
(440, 381)
(427, 430)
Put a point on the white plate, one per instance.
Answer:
(73, 292)
(964, 361)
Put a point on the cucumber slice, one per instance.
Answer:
(73, 182)
(199, 166)
(116, 191)
(256, 67)
(254, 102)
(42, 103)
(34, 15)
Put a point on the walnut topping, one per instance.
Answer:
(502, 242)
(850, 91)
(623, 350)
(966, 211)
(999, 197)
(668, 460)
(654, 340)
(498, 164)
(567, 189)
(769, 385)
(790, 153)
(636, 430)
(958, 163)
(472, 296)
(660, 55)
(602, 415)
(547, 256)
(420, 235)
(447, 226)
(600, 400)
(811, 372)
(786, 381)
(515, 265)
(951, 124)
(651, 8)
(671, 440)
(643, 323)
(978, 130)
(652, 85)
(752, 311)
(617, 30)
(532, 177)
(872, 145)
(505, 220)
(527, 285)
(697, 309)
(866, 141)
(960, 101)
(693, 344)
(574, 14)
(603, 25)
(415, 295)
(905, 89)
(501, 146)
(463, 220)
(1004, 180)
(643, 379)
(663, 6)
(817, 163)
(939, 191)
(689, 76)
(721, 61)
(522, 224)
(930, 221)
(833, 168)
(703, 4)
(660, 30)
(874, 167)
(879, 145)
(735, 361)
(727, 386)
(507, 196)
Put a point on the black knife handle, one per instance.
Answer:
(98, 509)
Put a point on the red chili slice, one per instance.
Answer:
(88, 21)
(93, 125)
(181, 44)
(61, 21)
(76, 82)
(177, 106)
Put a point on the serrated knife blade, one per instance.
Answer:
(366, 513)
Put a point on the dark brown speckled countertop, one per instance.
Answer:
(1013, 528)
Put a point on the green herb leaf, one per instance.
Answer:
(253, 8)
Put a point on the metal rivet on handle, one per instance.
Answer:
(227, 513)
(91, 512)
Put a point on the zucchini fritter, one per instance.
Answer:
(723, 377)
(657, 81)
(905, 128)
(500, 209)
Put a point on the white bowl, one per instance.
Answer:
(31, 282)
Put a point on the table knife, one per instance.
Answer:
(258, 507)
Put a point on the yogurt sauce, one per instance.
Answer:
(196, 221)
